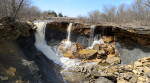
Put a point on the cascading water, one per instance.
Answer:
(68, 42)
(94, 40)
(91, 39)
(42, 46)
(69, 31)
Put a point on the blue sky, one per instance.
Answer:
(74, 8)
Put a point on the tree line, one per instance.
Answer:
(138, 12)
(23, 9)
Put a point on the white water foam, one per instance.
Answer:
(96, 41)
(42, 46)
(68, 42)
(93, 41)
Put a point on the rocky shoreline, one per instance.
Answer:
(138, 72)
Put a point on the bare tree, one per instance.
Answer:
(18, 8)
(137, 12)
(94, 16)
(145, 2)
(109, 13)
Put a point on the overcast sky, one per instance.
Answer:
(74, 8)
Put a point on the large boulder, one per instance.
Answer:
(102, 80)
(101, 54)
(69, 54)
(108, 39)
(87, 54)
(72, 77)
(96, 47)
(113, 60)
(110, 49)
(65, 46)
(70, 51)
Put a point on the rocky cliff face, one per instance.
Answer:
(56, 32)
(20, 61)
(49, 72)
(140, 35)
(19, 55)
(132, 44)
(131, 41)
(13, 63)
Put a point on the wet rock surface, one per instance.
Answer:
(125, 37)
(56, 32)
(101, 53)
(107, 70)
(48, 70)
(140, 34)
(138, 72)
(16, 68)
(20, 61)
(87, 54)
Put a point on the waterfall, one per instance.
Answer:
(91, 39)
(68, 42)
(94, 40)
(42, 46)
(69, 31)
